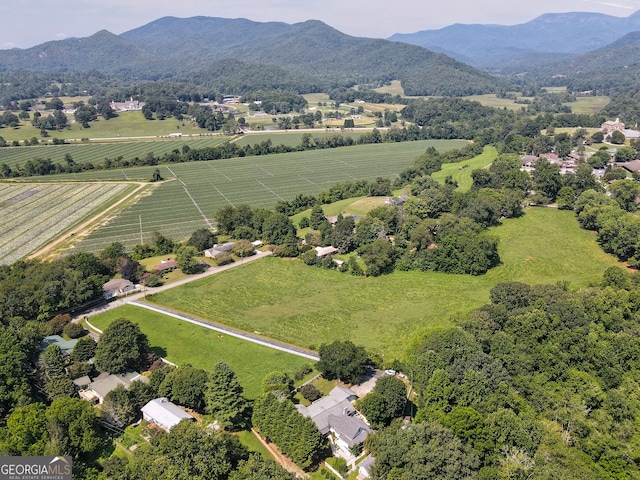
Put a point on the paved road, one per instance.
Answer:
(135, 299)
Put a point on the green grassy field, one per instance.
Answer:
(461, 171)
(589, 105)
(491, 100)
(96, 152)
(182, 342)
(126, 124)
(395, 88)
(292, 302)
(178, 207)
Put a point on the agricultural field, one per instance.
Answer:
(182, 342)
(179, 206)
(461, 171)
(34, 214)
(291, 138)
(491, 100)
(95, 152)
(307, 306)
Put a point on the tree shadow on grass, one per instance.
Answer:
(160, 351)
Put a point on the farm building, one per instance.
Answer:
(104, 383)
(164, 413)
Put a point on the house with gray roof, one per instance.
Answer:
(216, 250)
(335, 414)
(164, 413)
(105, 382)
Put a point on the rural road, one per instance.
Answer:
(135, 299)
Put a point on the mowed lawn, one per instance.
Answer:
(461, 171)
(182, 342)
(307, 306)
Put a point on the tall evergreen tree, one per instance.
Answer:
(223, 397)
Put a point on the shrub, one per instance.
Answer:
(73, 330)
(59, 322)
(223, 259)
(310, 393)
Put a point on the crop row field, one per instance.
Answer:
(292, 138)
(197, 190)
(308, 306)
(96, 153)
(33, 214)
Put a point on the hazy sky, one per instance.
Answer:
(26, 23)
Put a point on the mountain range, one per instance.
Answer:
(310, 54)
(241, 55)
(492, 47)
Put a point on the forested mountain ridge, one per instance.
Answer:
(322, 56)
(489, 46)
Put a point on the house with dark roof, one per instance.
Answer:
(167, 265)
(632, 166)
(335, 416)
(164, 413)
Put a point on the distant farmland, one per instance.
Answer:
(95, 153)
(180, 206)
(34, 214)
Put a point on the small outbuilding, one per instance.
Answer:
(164, 413)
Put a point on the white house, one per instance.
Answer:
(164, 413)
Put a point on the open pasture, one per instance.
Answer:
(34, 214)
(96, 153)
(178, 207)
(307, 306)
(126, 124)
(590, 105)
(394, 88)
(182, 342)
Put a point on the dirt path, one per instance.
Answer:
(286, 463)
(83, 229)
